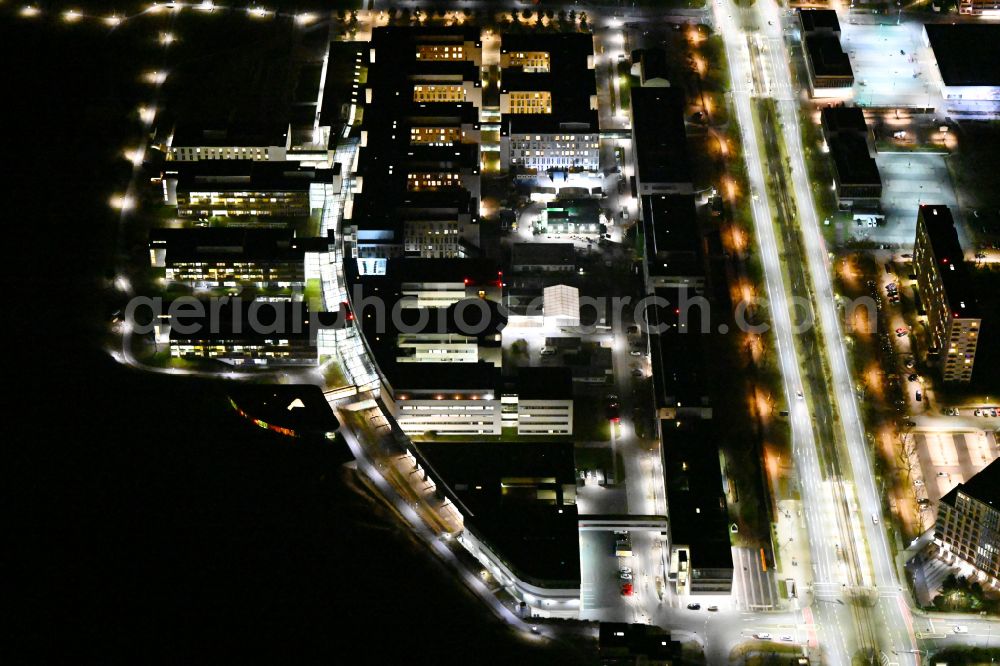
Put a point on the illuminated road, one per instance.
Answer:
(862, 539)
(833, 622)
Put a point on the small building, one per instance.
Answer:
(953, 315)
(620, 644)
(968, 524)
(544, 257)
(561, 305)
(571, 217)
(989, 8)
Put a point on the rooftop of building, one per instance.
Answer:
(235, 135)
(388, 156)
(635, 640)
(836, 119)
(542, 383)
(853, 161)
(301, 408)
(249, 321)
(983, 487)
(569, 80)
(536, 254)
(819, 19)
(234, 244)
(500, 484)
(674, 244)
(340, 88)
(826, 55)
(652, 63)
(661, 151)
(698, 514)
(967, 53)
(248, 175)
(943, 237)
(679, 374)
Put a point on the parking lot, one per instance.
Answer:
(950, 458)
(908, 180)
(600, 585)
(891, 65)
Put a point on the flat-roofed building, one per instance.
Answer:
(953, 315)
(416, 179)
(248, 334)
(819, 21)
(829, 68)
(543, 257)
(855, 173)
(571, 217)
(674, 247)
(433, 328)
(227, 257)
(660, 141)
(968, 524)
(517, 503)
(548, 102)
(248, 188)
(979, 7)
(696, 502)
(966, 55)
(191, 143)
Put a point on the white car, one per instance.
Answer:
(625, 576)
(787, 639)
(961, 629)
(762, 636)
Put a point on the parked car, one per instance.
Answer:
(694, 606)
(627, 590)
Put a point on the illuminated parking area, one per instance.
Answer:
(892, 67)
(910, 179)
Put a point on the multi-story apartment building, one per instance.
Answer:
(968, 523)
(248, 188)
(548, 103)
(416, 180)
(953, 316)
(226, 257)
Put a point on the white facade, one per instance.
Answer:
(562, 150)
